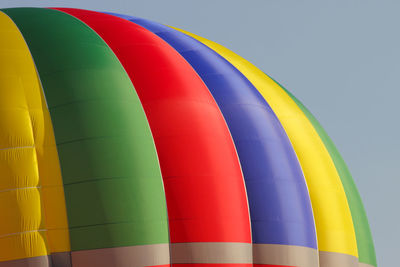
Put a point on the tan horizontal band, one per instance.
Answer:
(133, 256)
(285, 255)
(334, 259)
(245, 253)
(41, 261)
(211, 252)
(204, 252)
(59, 259)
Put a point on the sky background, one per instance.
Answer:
(341, 58)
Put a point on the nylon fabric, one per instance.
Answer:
(107, 154)
(193, 142)
(133, 256)
(280, 207)
(107, 119)
(365, 244)
(332, 215)
(32, 204)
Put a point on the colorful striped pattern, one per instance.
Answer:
(124, 142)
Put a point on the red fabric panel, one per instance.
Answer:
(203, 182)
(213, 265)
(267, 265)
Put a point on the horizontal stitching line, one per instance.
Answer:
(17, 147)
(25, 232)
(20, 188)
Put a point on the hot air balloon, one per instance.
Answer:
(125, 142)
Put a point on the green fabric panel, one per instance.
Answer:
(365, 244)
(112, 181)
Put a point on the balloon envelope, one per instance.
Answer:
(124, 142)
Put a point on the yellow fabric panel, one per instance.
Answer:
(332, 215)
(32, 206)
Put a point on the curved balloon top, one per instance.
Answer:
(125, 142)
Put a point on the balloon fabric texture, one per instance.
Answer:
(125, 142)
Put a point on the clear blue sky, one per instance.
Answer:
(340, 58)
